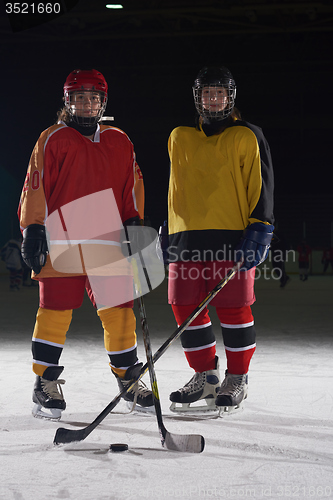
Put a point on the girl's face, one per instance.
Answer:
(214, 98)
(85, 103)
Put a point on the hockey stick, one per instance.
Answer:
(192, 443)
(63, 435)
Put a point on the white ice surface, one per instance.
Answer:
(280, 446)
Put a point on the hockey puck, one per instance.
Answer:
(118, 447)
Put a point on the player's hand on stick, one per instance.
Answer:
(254, 245)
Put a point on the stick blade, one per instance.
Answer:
(190, 443)
(63, 436)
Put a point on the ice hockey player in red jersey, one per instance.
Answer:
(220, 200)
(327, 258)
(75, 159)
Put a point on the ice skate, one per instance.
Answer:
(202, 387)
(47, 394)
(139, 397)
(232, 393)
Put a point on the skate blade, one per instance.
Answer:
(39, 412)
(140, 409)
(229, 410)
(187, 408)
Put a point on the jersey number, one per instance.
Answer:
(35, 180)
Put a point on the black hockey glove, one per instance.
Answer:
(34, 247)
(254, 245)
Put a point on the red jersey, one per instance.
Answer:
(327, 254)
(66, 166)
(304, 252)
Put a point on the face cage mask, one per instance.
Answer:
(74, 107)
(209, 111)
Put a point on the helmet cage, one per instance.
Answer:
(75, 107)
(88, 83)
(208, 109)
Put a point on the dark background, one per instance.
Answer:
(280, 54)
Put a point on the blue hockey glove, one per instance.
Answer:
(34, 247)
(254, 245)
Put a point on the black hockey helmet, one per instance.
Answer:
(211, 81)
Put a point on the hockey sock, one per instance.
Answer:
(198, 339)
(119, 337)
(239, 337)
(49, 338)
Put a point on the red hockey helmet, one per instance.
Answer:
(85, 81)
